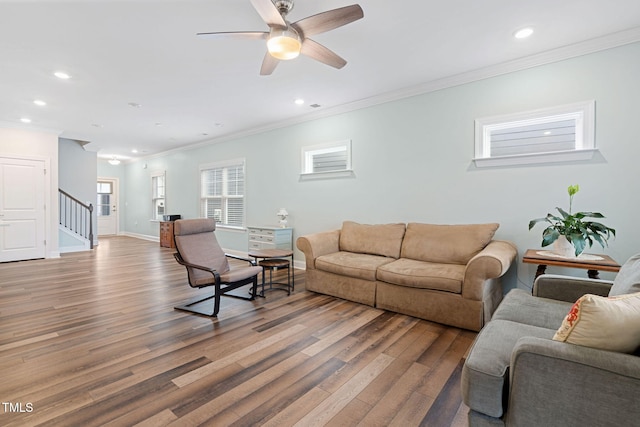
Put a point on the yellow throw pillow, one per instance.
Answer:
(611, 323)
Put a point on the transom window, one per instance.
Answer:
(222, 192)
(561, 133)
(331, 159)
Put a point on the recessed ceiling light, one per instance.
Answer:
(62, 75)
(523, 33)
(25, 120)
(40, 102)
(135, 105)
(134, 151)
(219, 125)
(299, 101)
(96, 125)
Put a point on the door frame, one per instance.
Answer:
(50, 179)
(116, 191)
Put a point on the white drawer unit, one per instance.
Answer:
(270, 238)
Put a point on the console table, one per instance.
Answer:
(537, 256)
(267, 237)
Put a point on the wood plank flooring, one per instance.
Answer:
(92, 339)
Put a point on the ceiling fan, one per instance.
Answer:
(287, 40)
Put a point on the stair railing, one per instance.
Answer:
(76, 216)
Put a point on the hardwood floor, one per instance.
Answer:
(92, 339)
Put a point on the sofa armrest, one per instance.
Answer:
(490, 263)
(567, 288)
(318, 244)
(555, 383)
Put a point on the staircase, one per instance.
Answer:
(75, 223)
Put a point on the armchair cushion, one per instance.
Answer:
(606, 323)
(378, 239)
(485, 374)
(519, 306)
(452, 244)
(628, 278)
(196, 242)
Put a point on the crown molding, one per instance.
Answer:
(586, 47)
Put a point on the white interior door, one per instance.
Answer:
(22, 209)
(107, 206)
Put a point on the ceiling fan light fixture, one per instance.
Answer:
(284, 43)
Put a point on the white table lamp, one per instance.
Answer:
(282, 214)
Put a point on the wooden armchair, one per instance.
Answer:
(207, 264)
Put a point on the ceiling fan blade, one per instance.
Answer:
(320, 53)
(253, 35)
(325, 21)
(269, 64)
(269, 13)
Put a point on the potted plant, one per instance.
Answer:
(575, 228)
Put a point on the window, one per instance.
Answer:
(222, 192)
(158, 185)
(561, 133)
(105, 190)
(327, 160)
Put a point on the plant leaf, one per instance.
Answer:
(533, 222)
(578, 242)
(589, 215)
(563, 213)
(549, 236)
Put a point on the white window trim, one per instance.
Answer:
(583, 112)
(222, 164)
(306, 162)
(156, 174)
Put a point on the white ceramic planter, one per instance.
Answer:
(564, 248)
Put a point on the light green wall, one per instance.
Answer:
(412, 160)
(74, 165)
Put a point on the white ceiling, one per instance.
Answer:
(192, 89)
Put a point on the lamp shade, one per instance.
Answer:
(284, 43)
(282, 212)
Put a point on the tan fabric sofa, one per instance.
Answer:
(444, 273)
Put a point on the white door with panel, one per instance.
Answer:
(107, 206)
(22, 209)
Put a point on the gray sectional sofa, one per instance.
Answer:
(448, 274)
(516, 374)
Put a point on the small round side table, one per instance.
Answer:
(272, 264)
(272, 259)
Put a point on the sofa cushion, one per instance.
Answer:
(485, 374)
(627, 280)
(450, 244)
(362, 266)
(423, 275)
(606, 323)
(378, 239)
(522, 307)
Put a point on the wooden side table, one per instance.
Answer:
(544, 258)
(274, 264)
(267, 254)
